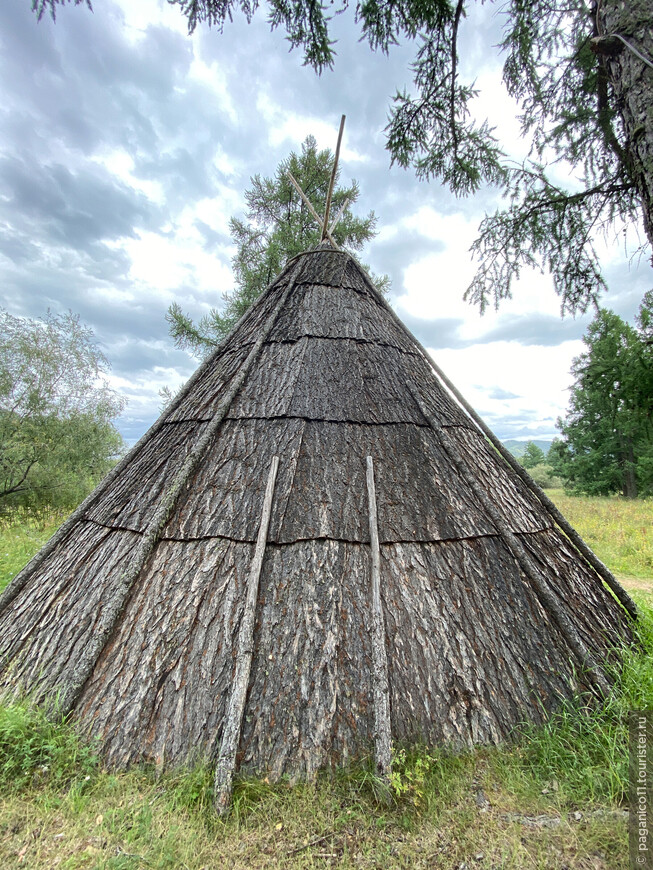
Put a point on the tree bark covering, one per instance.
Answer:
(473, 647)
(632, 82)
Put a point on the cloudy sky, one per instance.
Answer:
(126, 145)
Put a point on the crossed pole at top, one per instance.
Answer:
(323, 223)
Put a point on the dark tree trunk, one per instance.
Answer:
(632, 81)
(629, 488)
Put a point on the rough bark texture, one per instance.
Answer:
(531, 571)
(632, 83)
(472, 647)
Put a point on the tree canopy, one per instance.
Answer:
(608, 430)
(56, 435)
(533, 455)
(278, 226)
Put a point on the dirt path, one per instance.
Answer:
(637, 584)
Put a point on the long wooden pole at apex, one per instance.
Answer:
(325, 224)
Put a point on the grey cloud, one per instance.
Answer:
(501, 394)
(394, 254)
(519, 425)
(132, 426)
(624, 296)
(97, 89)
(133, 354)
(74, 208)
(534, 329)
(212, 238)
(434, 334)
(76, 91)
(19, 250)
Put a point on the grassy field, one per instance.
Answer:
(22, 533)
(553, 799)
(620, 531)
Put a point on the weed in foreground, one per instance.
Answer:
(36, 750)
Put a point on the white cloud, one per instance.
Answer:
(216, 80)
(169, 264)
(538, 377)
(292, 128)
(185, 137)
(434, 284)
(121, 165)
(138, 15)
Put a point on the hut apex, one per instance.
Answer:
(323, 223)
(317, 550)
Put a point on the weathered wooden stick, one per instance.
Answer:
(113, 608)
(312, 210)
(334, 172)
(224, 770)
(602, 570)
(336, 219)
(515, 546)
(382, 727)
(20, 580)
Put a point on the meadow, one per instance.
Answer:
(553, 798)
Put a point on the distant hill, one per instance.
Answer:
(517, 448)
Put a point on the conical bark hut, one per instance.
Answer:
(314, 552)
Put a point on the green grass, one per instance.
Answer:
(22, 533)
(98, 819)
(60, 808)
(34, 748)
(619, 530)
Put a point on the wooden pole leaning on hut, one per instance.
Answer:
(323, 223)
(224, 769)
(601, 570)
(336, 219)
(382, 730)
(584, 657)
(114, 607)
(21, 579)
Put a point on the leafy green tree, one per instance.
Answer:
(545, 476)
(533, 455)
(582, 74)
(56, 434)
(278, 226)
(559, 456)
(608, 430)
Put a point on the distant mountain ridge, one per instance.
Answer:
(517, 448)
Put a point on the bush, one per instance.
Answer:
(544, 476)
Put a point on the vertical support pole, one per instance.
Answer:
(382, 729)
(224, 770)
